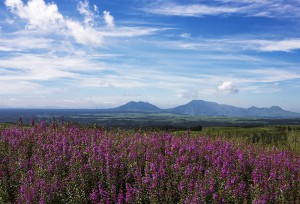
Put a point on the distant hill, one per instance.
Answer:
(200, 107)
(205, 108)
(137, 107)
(273, 112)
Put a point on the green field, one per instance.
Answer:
(282, 137)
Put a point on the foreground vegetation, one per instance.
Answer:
(69, 164)
(283, 137)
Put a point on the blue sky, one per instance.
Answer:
(103, 53)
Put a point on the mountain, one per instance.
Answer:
(273, 112)
(206, 108)
(200, 107)
(137, 107)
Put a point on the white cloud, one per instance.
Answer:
(196, 10)
(285, 45)
(38, 14)
(109, 19)
(237, 43)
(24, 43)
(266, 8)
(96, 8)
(129, 31)
(46, 17)
(228, 86)
(84, 35)
(280, 45)
(185, 35)
(270, 8)
(83, 8)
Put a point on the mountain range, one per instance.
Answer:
(205, 108)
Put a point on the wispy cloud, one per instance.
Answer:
(130, 31)
(266, 8)
(196, 10)
(276, 45)
(84, 9)
(45, 67)
(24, 43)
(46, 18)
(272, 75)
(238, 43)
(19, 87)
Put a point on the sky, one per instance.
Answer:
(104, 53)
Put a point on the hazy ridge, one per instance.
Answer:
(205, 108)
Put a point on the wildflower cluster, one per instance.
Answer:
(64, 164)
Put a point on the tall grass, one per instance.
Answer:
(285, 138)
